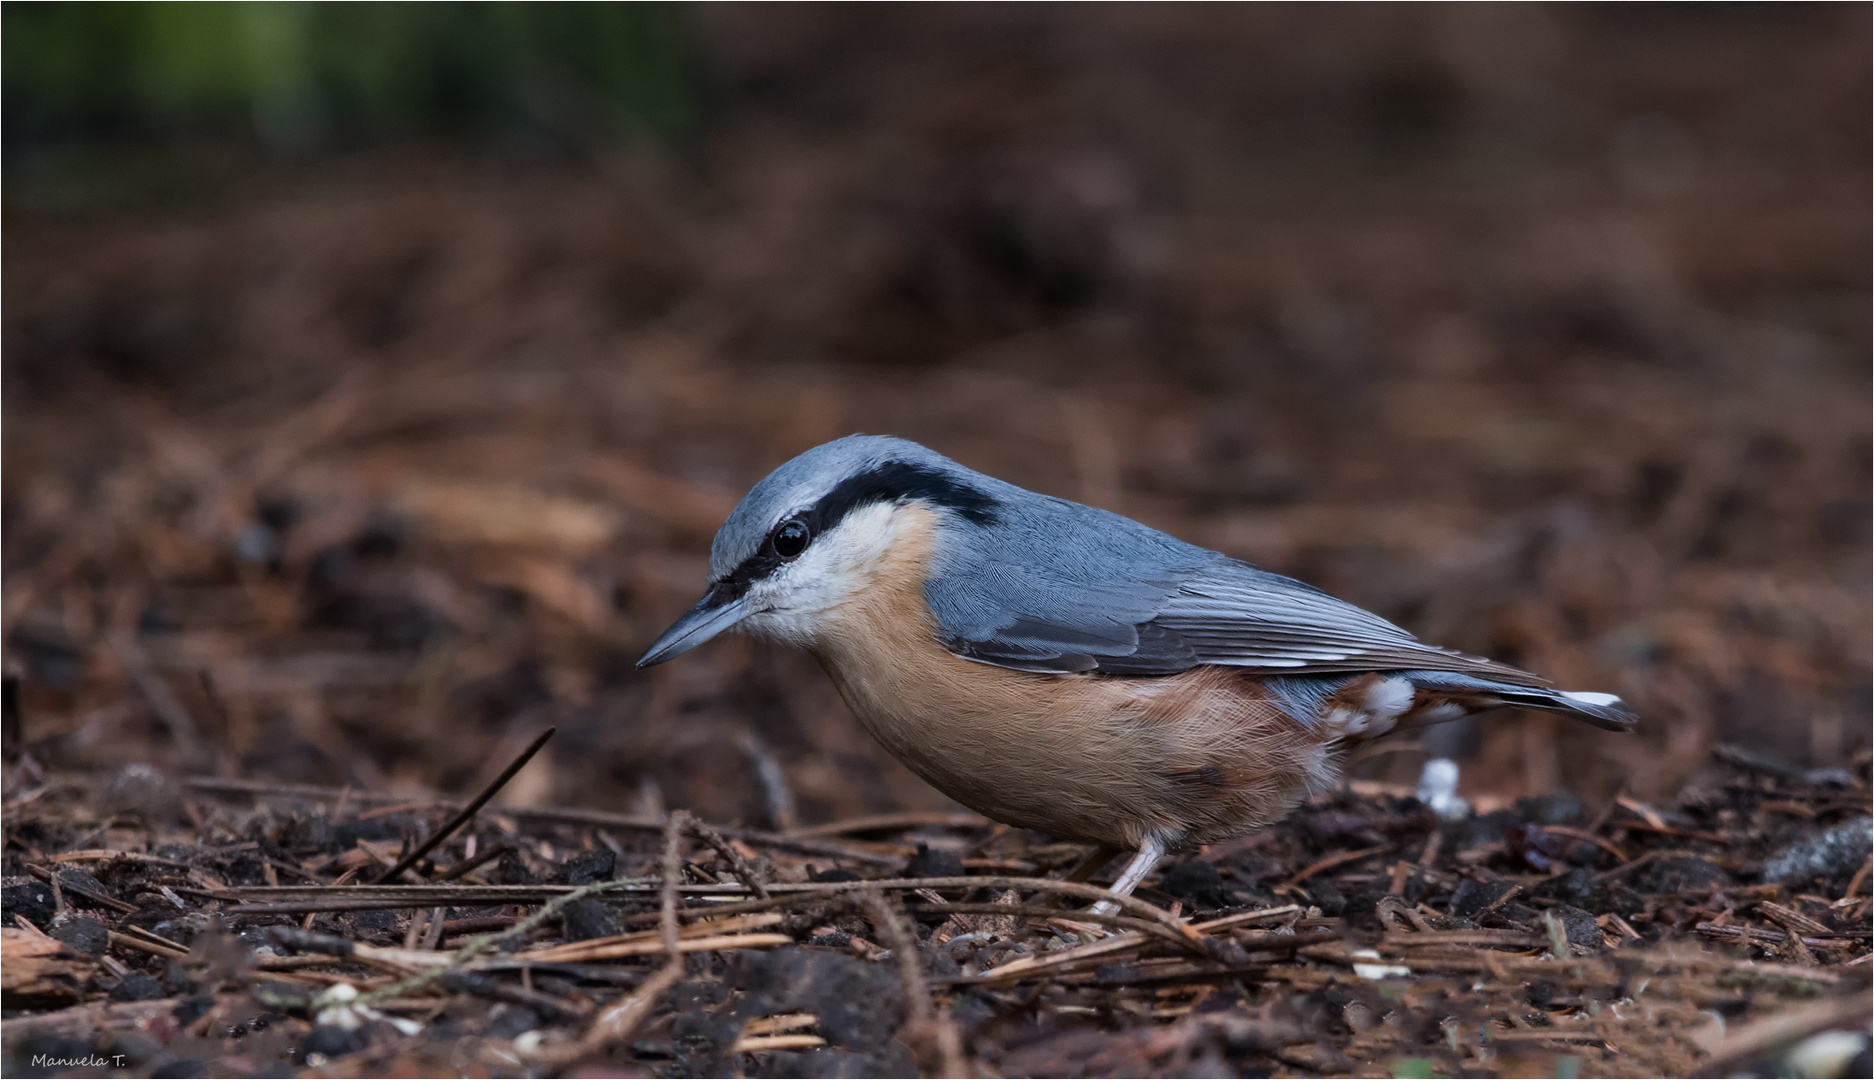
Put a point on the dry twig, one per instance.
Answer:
(467, 812)
(927, 1028)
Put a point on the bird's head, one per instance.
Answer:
(815, 532)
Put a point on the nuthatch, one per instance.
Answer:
(1068, 670)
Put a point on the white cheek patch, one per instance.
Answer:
(836, 567)
(842, 560)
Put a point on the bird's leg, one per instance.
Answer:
(1152, 850)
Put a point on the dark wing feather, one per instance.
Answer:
(1221, 612)
(1056, 586)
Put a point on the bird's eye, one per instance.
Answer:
(791, 539)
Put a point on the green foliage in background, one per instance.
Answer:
(301, 74)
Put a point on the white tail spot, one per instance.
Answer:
(1587, 697)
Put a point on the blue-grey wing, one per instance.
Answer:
(1233, 614)
(1041, 596)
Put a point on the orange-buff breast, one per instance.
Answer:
(1201, 756)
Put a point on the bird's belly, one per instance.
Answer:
(1199, 757)
(1196, 757)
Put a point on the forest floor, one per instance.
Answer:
(241, 928)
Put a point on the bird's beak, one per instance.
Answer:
(711, 616)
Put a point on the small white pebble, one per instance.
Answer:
(1438, 790)
(334, 1007)
(1375, 972)
(338, 1006)
(1827, 1053)
(528, 1042)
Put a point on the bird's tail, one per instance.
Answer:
(1446, 695)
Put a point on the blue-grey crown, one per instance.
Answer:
(829, 481)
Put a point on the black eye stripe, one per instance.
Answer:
(766, 560)
(894, 481)
(900, 481)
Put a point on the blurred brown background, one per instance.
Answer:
(352, 450)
